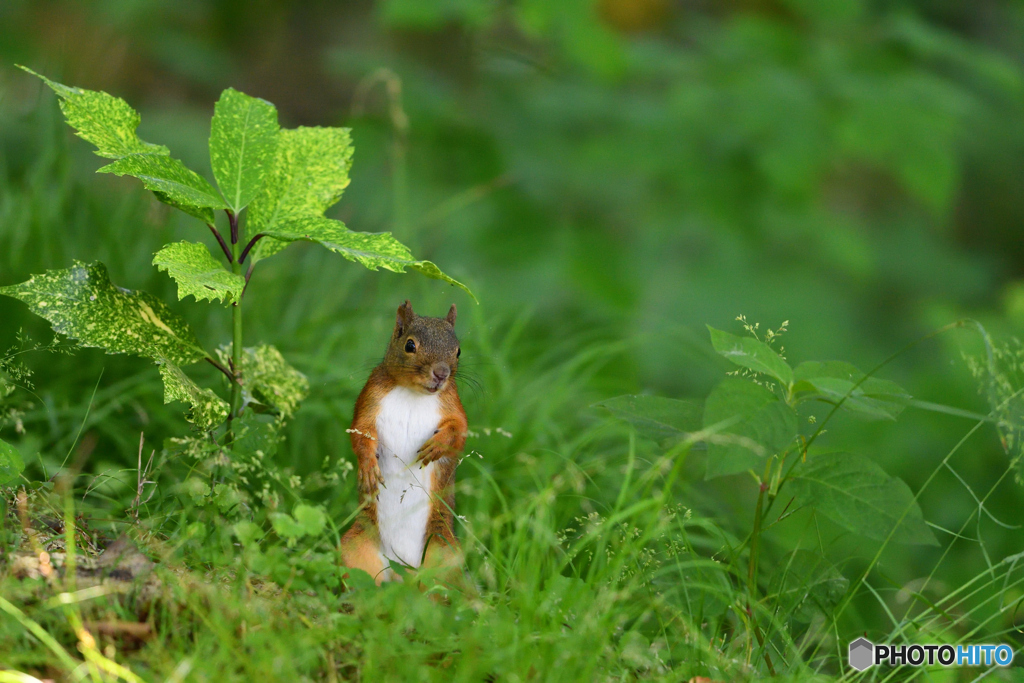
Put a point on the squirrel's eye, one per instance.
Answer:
(410, 346)
(458, 353)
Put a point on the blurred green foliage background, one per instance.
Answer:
(605, 175)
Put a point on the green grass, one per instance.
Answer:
(598, 557)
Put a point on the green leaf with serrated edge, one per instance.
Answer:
(106, 121)
(109, 123)
(83, 304)
(859, 495)
(206, 411)
(169, 179)
(309, 173)
(11, 464)
(243, 138)
(198, 274)
(832, 381)
(203, 213)
(374, 250)
(756, 416)
(656, 417)
(270, 379)
(748, 352)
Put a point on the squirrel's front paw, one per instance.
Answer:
(369, 479)
(430, 451)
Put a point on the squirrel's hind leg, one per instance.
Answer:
(444, 562)
(360, 549)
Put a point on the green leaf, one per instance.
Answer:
(311, 520)
(806, 584)
(286, 526)
(309, 173)
(226, 497)
(658, 418)
(171, 181)
(748, 352)
(831, 381)
(374, 250)
(256, 435)
(109, 123)
(243, 137)
(248, 533)
(11, 464)
(858, 495)
(305, 520)
(205, 214)
(106, 121)
(197, 489)
(206, 411)
(758, 425)
(270, 380)
(83, 304)
(198, 274)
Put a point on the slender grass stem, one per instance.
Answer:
(755, 537)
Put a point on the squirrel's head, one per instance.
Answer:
(424, 352)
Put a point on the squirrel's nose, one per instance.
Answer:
(441, 372)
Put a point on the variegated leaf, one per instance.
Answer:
(206, 409)
(269, 379)
(82, 303)
(243, 137)
(374, 250)
(109, 123)
(309, 174)
(198, 274)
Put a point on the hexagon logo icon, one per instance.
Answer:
(862, 654)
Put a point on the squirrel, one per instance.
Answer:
(408, 432)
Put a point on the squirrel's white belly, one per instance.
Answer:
(405, 422)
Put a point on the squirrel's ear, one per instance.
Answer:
(403, 318)
(451, 316)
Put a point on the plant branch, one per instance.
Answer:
(252, 243)
(248, 274)
(221, 242)
(233, 220)
(227, 373)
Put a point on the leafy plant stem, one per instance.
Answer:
(236, 347)
(236, 327)
(963, 322)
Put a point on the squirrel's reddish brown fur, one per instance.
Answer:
(422, 357)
